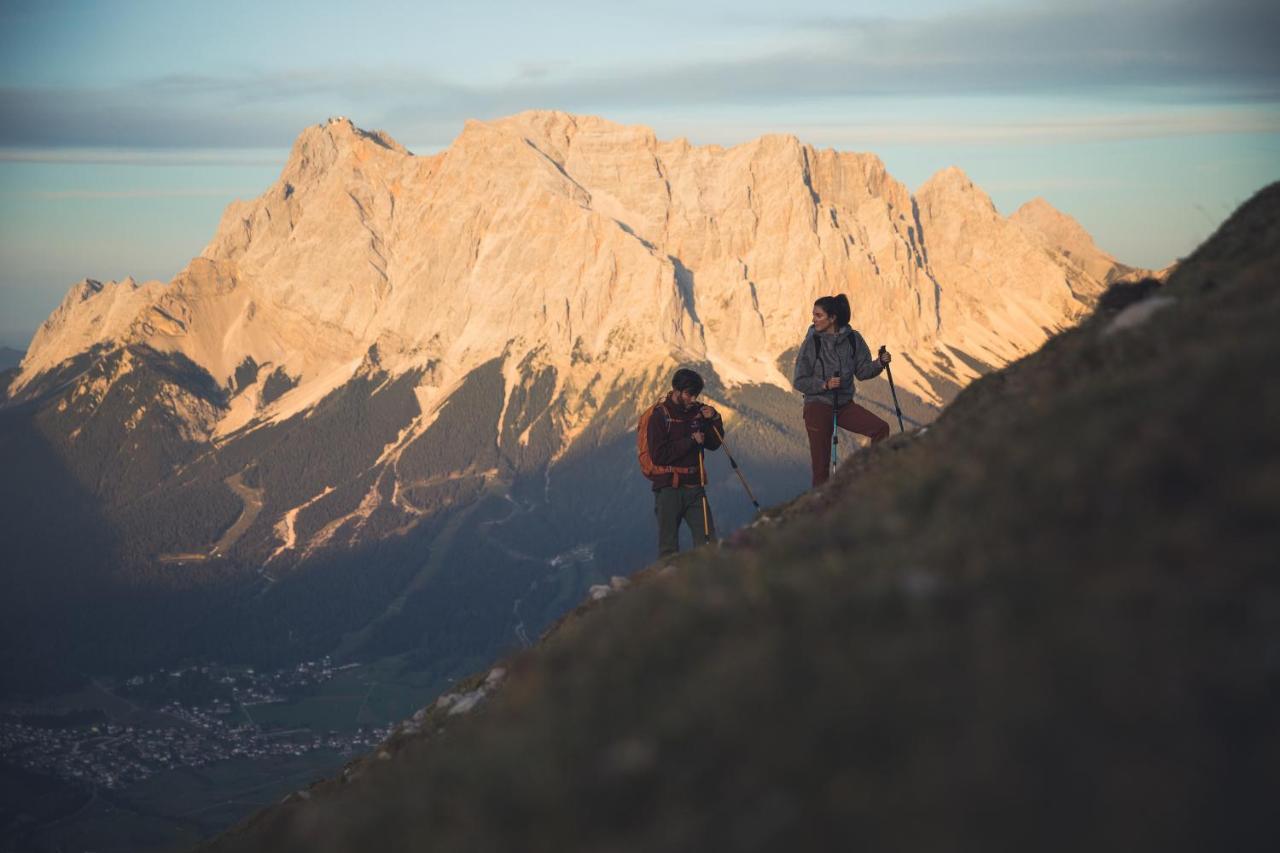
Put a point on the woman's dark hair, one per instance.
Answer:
(687, 380)
(835, 306)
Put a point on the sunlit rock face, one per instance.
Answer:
(552, 234)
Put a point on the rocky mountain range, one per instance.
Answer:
(389, 407)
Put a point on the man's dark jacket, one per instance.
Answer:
(671, 441)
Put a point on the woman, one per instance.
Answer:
(830, 358)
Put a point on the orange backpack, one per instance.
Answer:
(647, 465)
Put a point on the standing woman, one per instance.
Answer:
(831, 357)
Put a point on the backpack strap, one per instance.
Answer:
(817, 352)
(673, 469)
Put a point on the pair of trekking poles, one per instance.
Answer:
(702, 478)
(835, 444)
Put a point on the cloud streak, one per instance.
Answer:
(183, 157)
(115, 195)
(1168, 53)
(1081, 129)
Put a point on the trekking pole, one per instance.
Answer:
(835, 433)
(889, 372)
(706, 518)
(733, 463)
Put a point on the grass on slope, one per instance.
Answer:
(1052, 621)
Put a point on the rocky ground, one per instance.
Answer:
(1051, 621)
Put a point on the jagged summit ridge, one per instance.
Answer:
(92, 313)
(553, 233)
(1062, 233)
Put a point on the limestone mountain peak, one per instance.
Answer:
(1039, 213)
(954, 186)
(949, 176)
(1062, 234)
(577, 237)
(92, 313)
(1040, 203)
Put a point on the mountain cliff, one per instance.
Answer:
(1055, 230)
(560, 234)
(389, 404)
(1047, 622)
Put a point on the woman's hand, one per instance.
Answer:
(885, 358)
(833, 383)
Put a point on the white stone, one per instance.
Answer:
(1138, 313)
(467, 702)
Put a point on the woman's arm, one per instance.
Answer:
(864, 366)
(804, 378)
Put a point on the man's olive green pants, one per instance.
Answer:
(684, 503)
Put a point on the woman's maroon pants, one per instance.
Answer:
(852, 417)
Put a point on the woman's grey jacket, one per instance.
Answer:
(844, 354)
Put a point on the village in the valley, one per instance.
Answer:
(207, 714)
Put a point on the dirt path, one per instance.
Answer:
(252, 500)
(251, 505)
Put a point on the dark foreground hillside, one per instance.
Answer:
(1052, 621)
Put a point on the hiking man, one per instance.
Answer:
(672, 437)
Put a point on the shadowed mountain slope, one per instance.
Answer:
(1050, 621)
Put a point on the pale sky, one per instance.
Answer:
(127, 127)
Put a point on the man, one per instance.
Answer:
(674, 435)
